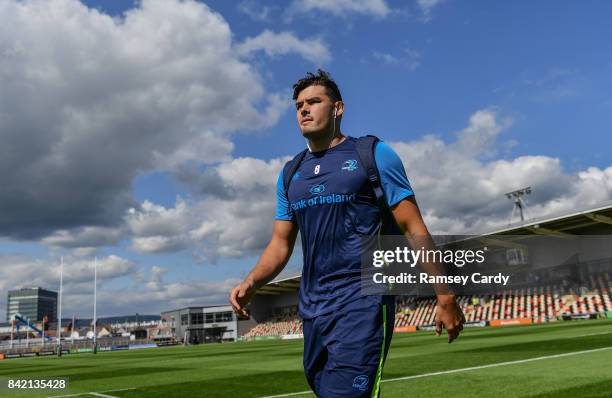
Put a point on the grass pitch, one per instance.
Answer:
(564, 359)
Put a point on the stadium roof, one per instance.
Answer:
(566, 224)
(279, 286)
(572, 223)
(197, 307)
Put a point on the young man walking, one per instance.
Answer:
(329, 198)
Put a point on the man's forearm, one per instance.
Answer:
(270, 264)
(409, 219)
(425, 242)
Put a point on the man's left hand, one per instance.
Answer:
(449, 316)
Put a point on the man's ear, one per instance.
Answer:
(339, 108)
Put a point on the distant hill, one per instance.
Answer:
(112, 319)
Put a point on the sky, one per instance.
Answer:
(148, 135)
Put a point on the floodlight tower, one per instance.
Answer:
(519, 203)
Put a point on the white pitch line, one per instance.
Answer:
(68, 395)
(99, 394)
(492, 365)
(588, 334)
(289, 394)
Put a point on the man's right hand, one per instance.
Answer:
(241, 295)
(449, 316)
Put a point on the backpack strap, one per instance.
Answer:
(366, 147)
(290, 169)
(365, 150)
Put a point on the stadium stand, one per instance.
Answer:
(289, 324)
(540, 304)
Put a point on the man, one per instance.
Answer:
(331, 201)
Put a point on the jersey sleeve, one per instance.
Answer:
(283, 211)
(393, 177)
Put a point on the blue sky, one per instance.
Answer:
(150, 134)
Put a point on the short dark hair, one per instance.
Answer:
(322, 78)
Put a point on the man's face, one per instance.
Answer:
(315, 111)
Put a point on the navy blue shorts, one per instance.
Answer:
(345, 350)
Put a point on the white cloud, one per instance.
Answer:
(158, 244)
(273, 44)
(232, 218)
(386, 58)
(154, 298)
(85, 237)
(480, 135)
(90, 101)
(376, 8)
(23, 271)
(149, 292)
(83, 252)
(408, 58)
(460, 191)
(426, 7)
(153, 220)
(157, 273)
(586, 188)
(556, 85)
(156, 281)
(460, 186)
(256, 11)
(157, 229)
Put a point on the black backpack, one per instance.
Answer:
(365, 151)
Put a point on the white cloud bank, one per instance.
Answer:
(462, 190)
(460, 187)
(148, 293)
(90, 101)
(232, 218)
(273, 44)
(376, 8)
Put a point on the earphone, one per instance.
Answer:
(333, 132)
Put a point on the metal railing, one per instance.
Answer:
(36, 345)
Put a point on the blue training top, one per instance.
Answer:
(334, 206)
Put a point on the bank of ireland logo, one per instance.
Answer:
(361, 382)
(317, 189)
(350, 165)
